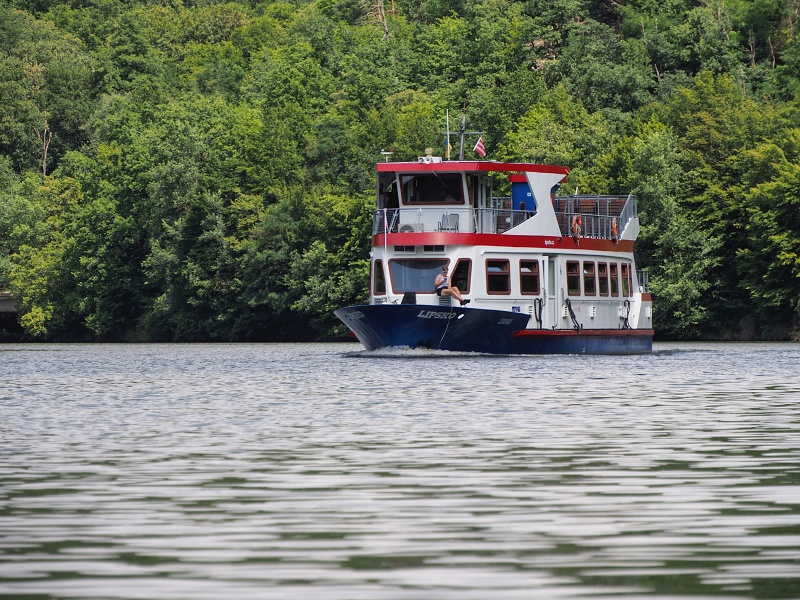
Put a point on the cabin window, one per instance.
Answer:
(589, 279)
(387, 192)
(602, 278)
(414, 274)
(471, 189)
(498, 276)
(433, 249)
(529, 282)
(626, 279)
(630, 279)
(379, 281)
(573, 278)
(462, 275)
(441, 188)
(405, 249)
(614, 279)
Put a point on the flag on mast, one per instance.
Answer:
(479, 149)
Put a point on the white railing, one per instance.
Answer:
(600, 217)
(420, 220)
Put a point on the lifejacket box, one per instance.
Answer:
(521, 192)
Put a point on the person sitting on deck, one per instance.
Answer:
(443, 287)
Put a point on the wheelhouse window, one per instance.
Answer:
(589, 279)
(462, 275)
(529, 282)
(626, 279)
(441, 188)
(614, 279)
(414, 274)
(602, 278)
(573, 278)
(378, 279)
(387, 192)
(498, 276)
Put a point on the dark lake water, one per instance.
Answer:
(326, 472)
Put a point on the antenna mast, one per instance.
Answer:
(462, 133)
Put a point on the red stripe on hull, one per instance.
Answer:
(587, 332)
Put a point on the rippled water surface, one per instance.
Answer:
(326, 472)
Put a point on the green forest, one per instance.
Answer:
(204, 171)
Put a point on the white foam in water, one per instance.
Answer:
(408, 352)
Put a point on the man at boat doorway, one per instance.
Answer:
(443, 287)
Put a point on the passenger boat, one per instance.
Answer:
(544, 274)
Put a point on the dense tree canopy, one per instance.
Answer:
(204, 170)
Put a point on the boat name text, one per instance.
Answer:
(430, 314)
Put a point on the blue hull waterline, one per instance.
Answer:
(459, 329)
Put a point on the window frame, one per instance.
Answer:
(613, 274)
(455, 278)
(504, 273)
(602, 277)
(573, 271)
(434, 270)
(589, 277)
(627, 280)
(438, 179)
(530, 276)
(377, 268)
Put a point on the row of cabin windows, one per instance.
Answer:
(600, 278)
(498, 277)
(594, 278)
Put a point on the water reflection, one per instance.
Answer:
(321, 471)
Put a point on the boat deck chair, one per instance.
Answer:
(448, 223)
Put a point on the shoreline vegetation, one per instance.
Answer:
(204, 171)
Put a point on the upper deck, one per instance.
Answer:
(601, 217)
(459, 197)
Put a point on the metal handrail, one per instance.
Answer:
(597, 214)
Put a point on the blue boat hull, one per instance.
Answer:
(477, 330)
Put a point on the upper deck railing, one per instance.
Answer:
(600, 217)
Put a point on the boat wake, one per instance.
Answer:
(406, 352)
